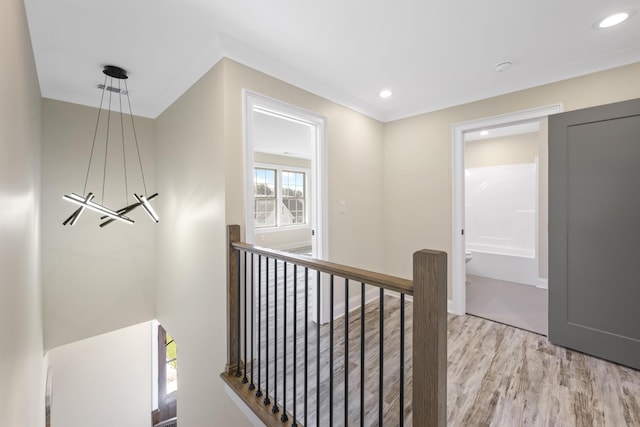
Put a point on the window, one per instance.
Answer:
(171, 362)
(167, 375)
(280, 197)
(265, 197)
(293, 198)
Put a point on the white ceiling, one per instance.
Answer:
(431, 53)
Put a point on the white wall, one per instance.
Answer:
(95, 279)
(418, 158)
(21, 358)
(103, 381)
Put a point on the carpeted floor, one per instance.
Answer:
(522, 306)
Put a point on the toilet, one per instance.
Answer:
(468, 256)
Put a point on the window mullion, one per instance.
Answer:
(279, 197)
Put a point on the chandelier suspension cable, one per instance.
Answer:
(106, 145)
(95, 134)
(124, 155)
(135, 137)
(86, 199)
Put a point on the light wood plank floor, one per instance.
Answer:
(497, 375)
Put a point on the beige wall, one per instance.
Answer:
(506, 150)
(275, 159)
(354, 151)
(191, 287)
(418, 158)
(200, 154)
(95, 280)
(21, 359)
(354, 157)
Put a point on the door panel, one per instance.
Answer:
(594, 231)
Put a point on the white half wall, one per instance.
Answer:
(103, 381)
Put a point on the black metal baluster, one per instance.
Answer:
(238, 372)
(274, 408)
(252, 386)
(245, 379)
(259, 392)
(284, 416)
(362, 332)
(295, 341)
(346, 352)
(318, 350)
(401, 360)
(307, 324)
(331, 351)
(381, 368)
(266, 400)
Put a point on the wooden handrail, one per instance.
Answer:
(379, 280)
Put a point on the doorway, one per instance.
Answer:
(285, 178)
(458, 303)
(505, 209)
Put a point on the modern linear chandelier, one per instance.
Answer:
(86, 201)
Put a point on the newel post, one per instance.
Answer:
(430, 338)
(233, 297)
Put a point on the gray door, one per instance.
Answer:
(594, 231)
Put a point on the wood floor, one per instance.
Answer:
(497, 375)
(502, 376)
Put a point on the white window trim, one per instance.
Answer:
(279, 226)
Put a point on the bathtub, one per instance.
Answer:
(501, 223)
(511, 267)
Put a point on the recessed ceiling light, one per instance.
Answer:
(386, 93)
(484, 132)
(612, 20)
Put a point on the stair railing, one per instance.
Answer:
(290, 369)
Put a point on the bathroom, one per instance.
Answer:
(506, 224)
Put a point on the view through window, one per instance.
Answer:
(279, 188)
(171, 364)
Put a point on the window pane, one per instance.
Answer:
(171, 354)
(293, 198)
(264, 197)
(171, 349)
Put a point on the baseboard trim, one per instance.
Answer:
(542, 283)
(354, 302)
